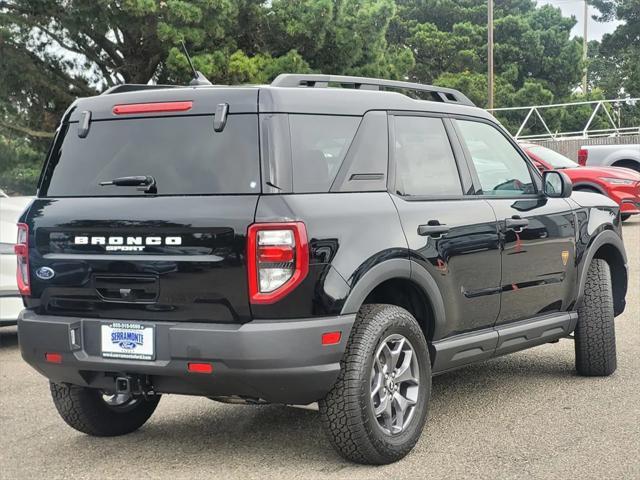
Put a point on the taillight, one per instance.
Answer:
(583, 153)
(21, 249)
(277, 259)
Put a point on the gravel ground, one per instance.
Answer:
(524, 415)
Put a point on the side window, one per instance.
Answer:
(501, 169)
(425, 164)
(319, 144)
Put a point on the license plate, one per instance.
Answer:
(127, 340)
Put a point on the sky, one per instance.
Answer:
(576, 8)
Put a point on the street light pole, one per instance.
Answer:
(584, 48)
(490, 52)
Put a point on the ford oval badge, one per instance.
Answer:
(45, 273)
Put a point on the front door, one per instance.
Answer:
(537, 233)
(453, 238)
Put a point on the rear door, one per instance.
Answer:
(537, 233)
(452, 237)
(120, 253)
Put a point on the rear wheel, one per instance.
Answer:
(375, 412)
(595, 335)
(625, 216)
(101, 414)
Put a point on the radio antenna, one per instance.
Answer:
(198, 77)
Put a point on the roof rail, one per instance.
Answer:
(132, 87)
(439, 94)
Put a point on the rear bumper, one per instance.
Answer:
(280, 362)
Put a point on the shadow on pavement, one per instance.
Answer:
(8, 337)
(238, 435)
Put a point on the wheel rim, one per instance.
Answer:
(119, 401)
(395, 383)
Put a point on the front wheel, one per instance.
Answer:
(375, 412)
(625, 216)
(101, 414)
(595, 335)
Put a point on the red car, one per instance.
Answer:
(620, 184)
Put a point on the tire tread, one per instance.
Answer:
(83, 409)
(595, 340)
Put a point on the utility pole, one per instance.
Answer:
(490, 52)
(584, 48)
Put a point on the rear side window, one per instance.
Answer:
(319, 144)
(183, 154)
(425, 164)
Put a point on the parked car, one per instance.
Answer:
(10, 300)
(298, 242)
(627, 156)
(622, 185)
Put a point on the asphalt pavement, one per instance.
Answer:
(527, 415)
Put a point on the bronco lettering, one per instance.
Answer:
(113, 243)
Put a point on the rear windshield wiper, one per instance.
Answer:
(147, 181)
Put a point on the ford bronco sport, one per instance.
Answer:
(322, 238)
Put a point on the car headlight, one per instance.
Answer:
(617, 181)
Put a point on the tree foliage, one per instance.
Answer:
(615, 62)
(52, 51)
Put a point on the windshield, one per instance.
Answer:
(184, 155)
(553, 158)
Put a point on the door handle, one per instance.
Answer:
(516, 223)
(433, 229)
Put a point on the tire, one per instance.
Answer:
(595, 335)
(85, 410)
(625, 216)
(347, 412)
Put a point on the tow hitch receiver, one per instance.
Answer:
(134, 386)
(123, 385)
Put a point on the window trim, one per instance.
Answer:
(464, 175)
(533, 171)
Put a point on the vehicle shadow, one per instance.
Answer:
(8, 337)
(237, 436)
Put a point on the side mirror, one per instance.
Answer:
(556, 184)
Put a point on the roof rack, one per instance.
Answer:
(132, 87)
(439, 94)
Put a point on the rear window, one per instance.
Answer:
(184, 155)
(319, 144)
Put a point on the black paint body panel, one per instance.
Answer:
(202, 280)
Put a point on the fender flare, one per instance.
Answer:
(606, 237)
(404, 269)
(621, 155)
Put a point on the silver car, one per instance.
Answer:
(10, 300)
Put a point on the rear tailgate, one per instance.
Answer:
(117, 252)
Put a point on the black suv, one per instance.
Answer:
(321, 238)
